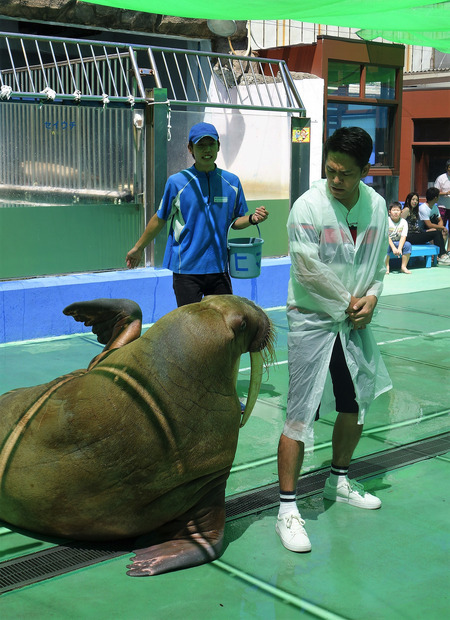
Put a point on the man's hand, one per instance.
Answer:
(133, 258)
(260, 215)
(360, 310)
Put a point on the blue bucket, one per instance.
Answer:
(245, 256)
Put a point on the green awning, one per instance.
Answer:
(412, 22)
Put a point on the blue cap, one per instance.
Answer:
(203, 130)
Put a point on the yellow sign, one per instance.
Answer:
(301, 135)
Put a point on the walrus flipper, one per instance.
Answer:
(115, 322)
(192, 539)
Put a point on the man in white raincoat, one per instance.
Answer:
(337, 235)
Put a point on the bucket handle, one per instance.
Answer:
(229, 228)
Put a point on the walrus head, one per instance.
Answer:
(254, 331)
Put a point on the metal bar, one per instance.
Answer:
(30, 76)
(213, 78)
(136, 73)
(214, 54)
(12, 64)
(56, 65)
(258, 90)
(102, 86)
(233, 106)
(202, 78)
(65, 192)
(235, 81)
(269, 94)
(154, 67)
(168, 75)
(42, 66)
(298, 101)
(275, 83)
(190, 73)
(111, 74)
(125, 47)
(95, 70)
(84, 70)
(69, 64)
(180, 76)
(245, 82)
(224, 79)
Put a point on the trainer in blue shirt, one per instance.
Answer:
(200, 202)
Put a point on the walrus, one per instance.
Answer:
(142, 442)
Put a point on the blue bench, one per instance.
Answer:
(428, 250)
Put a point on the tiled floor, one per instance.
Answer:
(385, 564)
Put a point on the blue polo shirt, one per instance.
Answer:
(200, 207)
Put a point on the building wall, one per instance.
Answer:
(418, 104)
(274, 33)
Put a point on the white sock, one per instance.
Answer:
(337, 474)
(288, 503)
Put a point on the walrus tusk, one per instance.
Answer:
(255, 383)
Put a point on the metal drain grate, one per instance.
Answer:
(55, 561)
(59, 560)
(247, 503)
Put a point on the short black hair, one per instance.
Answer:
(431, 193)
(353, 141)
(395, 204)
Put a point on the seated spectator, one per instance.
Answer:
(416, 228)
(398, 230)
(411, 209)
(430, 214)
(443, 185)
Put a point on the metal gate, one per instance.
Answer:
(85, 127)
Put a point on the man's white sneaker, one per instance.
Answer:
(351, 492)
(293, 535)
(444, 260)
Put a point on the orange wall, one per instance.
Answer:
(425, 103)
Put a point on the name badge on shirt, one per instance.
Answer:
(220, 199)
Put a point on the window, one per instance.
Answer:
(380, 82)
(431, 129)
(344, 79)
(376, 120)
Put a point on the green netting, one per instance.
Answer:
(413, 22)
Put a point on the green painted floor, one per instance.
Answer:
(386, 564)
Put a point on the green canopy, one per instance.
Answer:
(414, 22)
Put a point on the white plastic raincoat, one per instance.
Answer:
(327, 267)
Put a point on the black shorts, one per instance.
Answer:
(344, 391)
(191, 288)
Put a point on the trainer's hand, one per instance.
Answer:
(260, 215)
(133, 258)
(360, 311)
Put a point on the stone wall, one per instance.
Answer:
(78, 13)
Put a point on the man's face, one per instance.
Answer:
(205, 153)
(448, 169)
(343, 177)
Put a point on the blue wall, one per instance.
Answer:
(33, 308)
